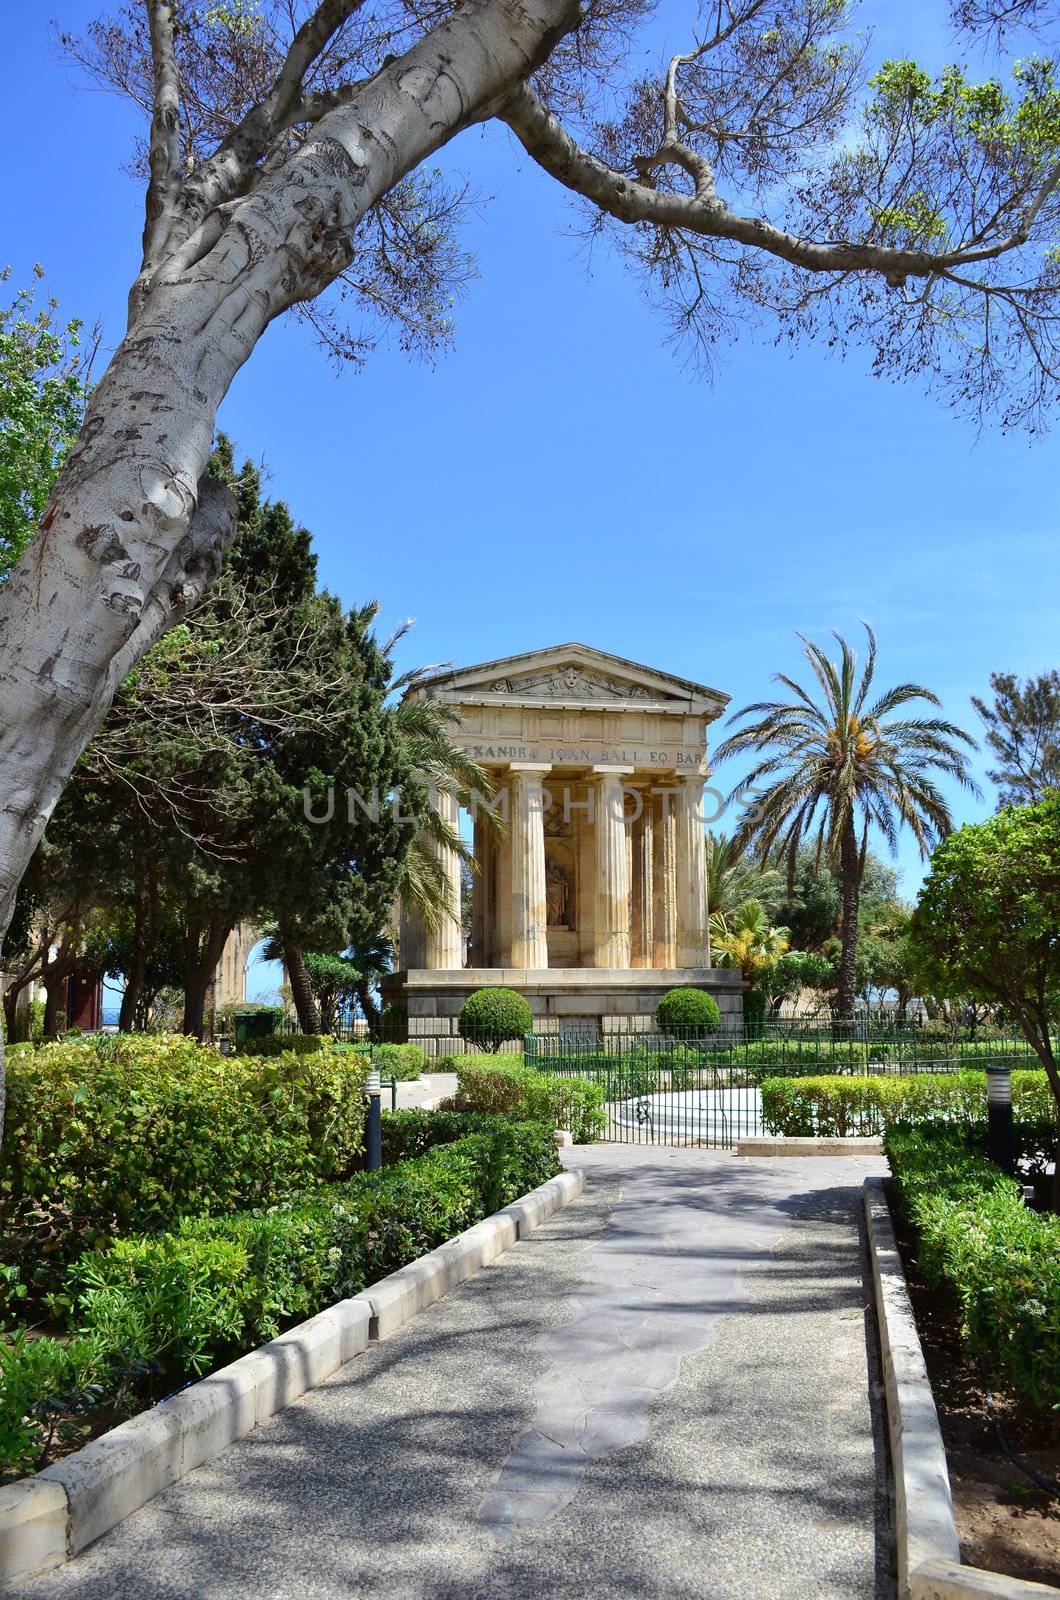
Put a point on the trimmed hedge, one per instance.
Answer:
(128, 1134)
(492, 1017)
(837, 1107)
(285, 1044)
(508, 1088)
(1002, 1261)
(151, 1310)
(688, 1012)
(401, 1061)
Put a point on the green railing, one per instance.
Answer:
(705, 1089)
(784, 1050)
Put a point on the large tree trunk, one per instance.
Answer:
(11, 994)
(850, 871)
(134, 978)
(301, 992)
(203, 944)
(53, 990)
(133, 532)
(130, 1000)
(371, 1011)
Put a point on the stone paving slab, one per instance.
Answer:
(412, 1092)
(662, 1393)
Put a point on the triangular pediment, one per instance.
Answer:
(572, 674)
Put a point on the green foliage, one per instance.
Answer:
(490, 1017)
(834, 765)
(42, 401)
(510, 1089)
(109, 1136)
(1001, 1260)
(150, 1310)
(1023, 734)
(333, 981)
(689, 1013)
(48, 1390)
(838, 1106)
(986, 918)
(285, 1044)
(402, 1061)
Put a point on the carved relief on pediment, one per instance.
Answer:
(568, 683)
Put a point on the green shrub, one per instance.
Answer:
(510, 1089)
(281, 1044)
(1002, 1261)
(491, 1017)
(688, 1013)
(48, 1388)
(838, 1106)
(173, 1303)
(401, 1061)
(17, 1052)
(754, 1010)
(131, 1133)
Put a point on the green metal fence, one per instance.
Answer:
(704, 1089)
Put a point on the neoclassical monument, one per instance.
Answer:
(590, 896)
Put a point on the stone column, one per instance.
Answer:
(611, 896)
(693, 934)
(529, 904)
(664, 875)
(643, 907)
(412, 939)
(444, 941)
(483, 898)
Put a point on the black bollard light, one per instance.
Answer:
(1000, 1138)
(373, 1131)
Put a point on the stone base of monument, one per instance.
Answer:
(580, 1000)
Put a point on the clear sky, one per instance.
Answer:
(560, 475)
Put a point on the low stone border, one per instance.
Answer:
(929, 1555)
(782, 1145)
(47, 1519)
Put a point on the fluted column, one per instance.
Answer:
(611, 898)
(664, 875)
(529, 904)
(483, 898)
(643, 908)
(412, 938)
(444, 941)
(693, 934)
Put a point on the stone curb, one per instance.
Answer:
(785, 1146)
(48, 1519)
(929, 1555)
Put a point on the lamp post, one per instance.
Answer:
(373, 1131)
(1001, 1143)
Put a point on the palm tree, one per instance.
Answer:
(733, 878)
(749, 940)
(839, 764)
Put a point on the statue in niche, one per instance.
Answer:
(557, 896)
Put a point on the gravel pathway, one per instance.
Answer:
(662, 1393)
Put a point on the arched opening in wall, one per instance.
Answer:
(264, 978)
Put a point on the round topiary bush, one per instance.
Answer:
(688, 1013)
(490, 1016)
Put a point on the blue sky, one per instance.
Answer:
(560, 475)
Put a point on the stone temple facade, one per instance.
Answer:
(590, 888)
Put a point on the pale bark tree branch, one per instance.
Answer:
(547, 142)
